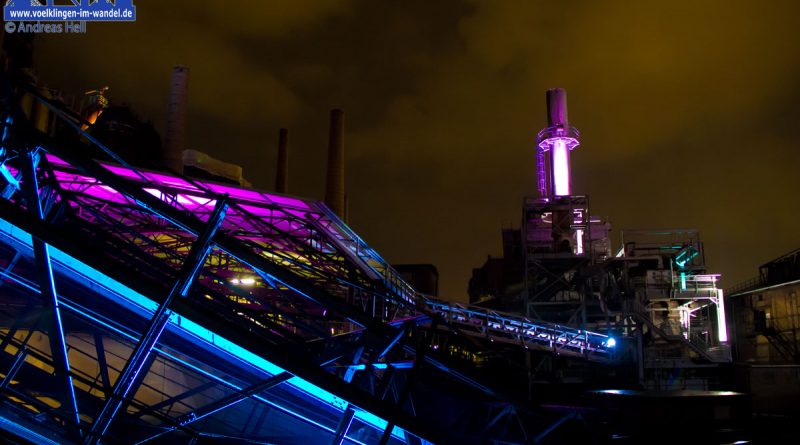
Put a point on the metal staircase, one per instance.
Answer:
(712, 354)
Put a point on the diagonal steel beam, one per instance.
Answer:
(344, 425)
(234, 398)
(172, 400)
(76, 156)
(127, 382)
(101, 363)
(356, 357)
(19, 360)
(58, 343)
(225, 402)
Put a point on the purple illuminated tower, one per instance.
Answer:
(554, 144)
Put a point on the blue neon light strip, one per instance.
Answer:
(142, 304)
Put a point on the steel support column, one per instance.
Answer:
(101, 363)
(127, 382)
(344, 425)
(58, 343)
(405, 393)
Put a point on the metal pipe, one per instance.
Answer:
(282, 175)
(334, 190)
(174, 137)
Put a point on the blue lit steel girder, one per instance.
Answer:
(291, 359)
(56, 337)
(405, 392)
(225, 402)
(19, 360)
(40, 376)
(126, 383)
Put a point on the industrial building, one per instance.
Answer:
(654, 290)
(149, 306)
(172, 302)
(766, 319)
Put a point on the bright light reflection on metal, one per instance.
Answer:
(722, 325)
(561, 167)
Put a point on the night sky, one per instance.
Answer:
(689, 111)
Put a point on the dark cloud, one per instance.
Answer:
(689, 110)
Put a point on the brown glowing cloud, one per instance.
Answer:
(688, 110)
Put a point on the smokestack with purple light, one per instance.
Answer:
(174, 139)
(554, 144)
(282, 176)
(334, 190)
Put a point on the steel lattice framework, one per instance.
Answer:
(281, 276)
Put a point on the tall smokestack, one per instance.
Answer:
(554, 145)
(334, 190)
(174, 139)
(557, 108)
(282, 176)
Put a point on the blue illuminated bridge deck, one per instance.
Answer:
(191, 311)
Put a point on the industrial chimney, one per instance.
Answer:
(554, 145)
(282, 175)
(334, 190)
(174, 139)
(557, 108)
(552, 157)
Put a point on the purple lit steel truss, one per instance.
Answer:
(282, 274)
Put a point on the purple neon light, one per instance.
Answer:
(561, 168)
(262, 218)
(305, 226)
(559, 148)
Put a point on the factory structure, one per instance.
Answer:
(560, 266)
(150, 294)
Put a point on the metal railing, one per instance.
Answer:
(529, 333)
(696, 341)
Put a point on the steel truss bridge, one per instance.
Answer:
(148, 307)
